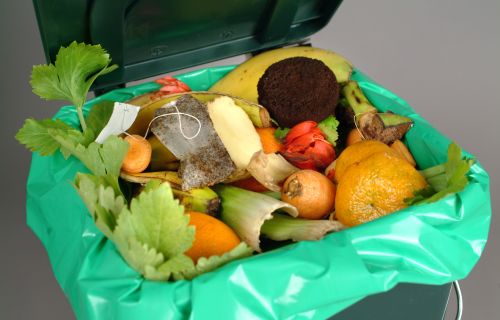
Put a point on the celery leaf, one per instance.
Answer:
(71, 76)
(153, 231)
(37, 136)
(155, 218)
(208, 264)
(444, 179)
(104, 205)
(98, 117)
(103, 160)
(75, 69)
(329, 127)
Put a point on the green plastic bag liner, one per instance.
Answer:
(427, 244)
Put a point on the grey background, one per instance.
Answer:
(442, 56)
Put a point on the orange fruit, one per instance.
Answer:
(374, 187)
(212, 237)
(403, 151)
(354, 136)
(357, 152)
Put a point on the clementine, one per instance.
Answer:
(374, 187)
(212, 236)
(357, 152)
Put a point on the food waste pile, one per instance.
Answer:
(285, 147)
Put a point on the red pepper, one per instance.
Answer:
(172, 85)
(306, 147)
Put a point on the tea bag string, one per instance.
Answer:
(179, 114)
(356, 124)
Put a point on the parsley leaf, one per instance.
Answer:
(70, 78)
(329, 127)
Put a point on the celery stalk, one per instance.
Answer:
(444, 179)
(246, 211)
(283, 227)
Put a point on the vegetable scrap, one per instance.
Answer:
(216, 175)
(306, 147)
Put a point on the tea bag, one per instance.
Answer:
(204, 160)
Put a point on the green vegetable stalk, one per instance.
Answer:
(282, 227)
(70, 78)
(444, 179)
(75, 69)
(246, 211)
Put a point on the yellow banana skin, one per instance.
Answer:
(242, 81)
(199, 199)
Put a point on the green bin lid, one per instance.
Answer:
(150, 37)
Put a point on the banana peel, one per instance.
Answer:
(198, 199)
(242, 81)
(257, 114)
(386, 127)
(144, 177)
(161, 157)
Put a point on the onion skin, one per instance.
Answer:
(312, 193)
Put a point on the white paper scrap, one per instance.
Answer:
(121, 119)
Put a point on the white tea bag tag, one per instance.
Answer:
(121, 119)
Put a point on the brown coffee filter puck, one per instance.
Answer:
(298, 89)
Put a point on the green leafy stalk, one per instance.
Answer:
(444, 179)
(245, 212)
(39, 135)
(282, 227)
(71, 76)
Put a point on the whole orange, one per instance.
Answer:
(357, 152)
(374, 187)
(212, 236)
